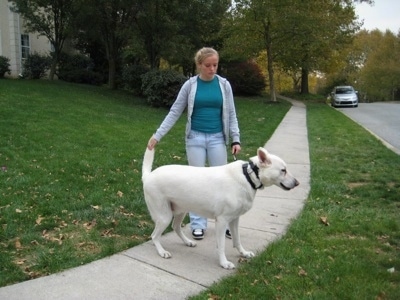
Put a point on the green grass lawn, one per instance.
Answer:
(70, 158)
(70, 193)
(346, 241)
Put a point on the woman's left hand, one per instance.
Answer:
(236, 149)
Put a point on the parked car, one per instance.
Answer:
(344, 95)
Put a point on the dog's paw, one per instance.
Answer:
(228, 265)
(165, 254)
(247, 254)
(191, 243)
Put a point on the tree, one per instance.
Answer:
(298, 36)
(253, 27)
(200, 25)
(317, 29)
(157, 25)
(50, 18)
(380, 74)
(111, 23)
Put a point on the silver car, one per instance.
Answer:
(344, 95)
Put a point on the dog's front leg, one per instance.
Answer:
(234, 226)
(220, 227)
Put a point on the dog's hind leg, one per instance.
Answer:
(176, 225)
(161, 220)
(156, 235)
(234, 226)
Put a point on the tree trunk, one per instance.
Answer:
(111, 73)
(271, 73)
(304, 81)
(53, 69)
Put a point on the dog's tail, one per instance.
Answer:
(147, 162)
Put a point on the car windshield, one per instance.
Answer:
(344, 91)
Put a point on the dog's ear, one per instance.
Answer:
(263, 157)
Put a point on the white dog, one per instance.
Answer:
(222, 193)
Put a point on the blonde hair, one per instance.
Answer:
(203, 53)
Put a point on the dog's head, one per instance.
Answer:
(273, 171)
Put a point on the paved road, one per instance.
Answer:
(381, 118)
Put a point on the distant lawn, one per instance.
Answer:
(346, 242)
(70, 159)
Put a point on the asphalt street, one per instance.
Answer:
(380, 118)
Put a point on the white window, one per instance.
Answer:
(25, 48)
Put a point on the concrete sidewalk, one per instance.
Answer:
(139, 273)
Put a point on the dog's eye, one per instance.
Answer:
(283, 171)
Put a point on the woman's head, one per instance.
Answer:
(206, 60)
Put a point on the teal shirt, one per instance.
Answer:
(207, 110)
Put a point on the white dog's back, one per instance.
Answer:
(195, 189)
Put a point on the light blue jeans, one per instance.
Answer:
(200, 147)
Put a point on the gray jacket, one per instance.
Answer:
(186, 99)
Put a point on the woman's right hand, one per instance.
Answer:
(152, 143)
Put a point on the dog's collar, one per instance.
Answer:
(247, 172)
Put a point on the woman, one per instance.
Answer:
(211, 120)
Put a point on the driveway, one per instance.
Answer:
(380, 118)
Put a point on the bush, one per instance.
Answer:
(78, 68)
(160, 87)
(4, 66)
(82, 76)
(36, 66)
(245, 77)
(132, 78)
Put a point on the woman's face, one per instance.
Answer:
(208, 68)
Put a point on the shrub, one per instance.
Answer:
(82, 76)
(245, 77)
(160, 87)
(132, 78)
(36, 66)
(78, 68)
(4, 66)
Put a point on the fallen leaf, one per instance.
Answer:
(213, 297)
(39, 220)
(120, 194)
(90, 225)
(142, 224)
(324, 221)
(254, 282)
(18, 211)
(107, 232)
(95, 206)
(20, 262)
(242, 260)
(302, 272)
(18, 245)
